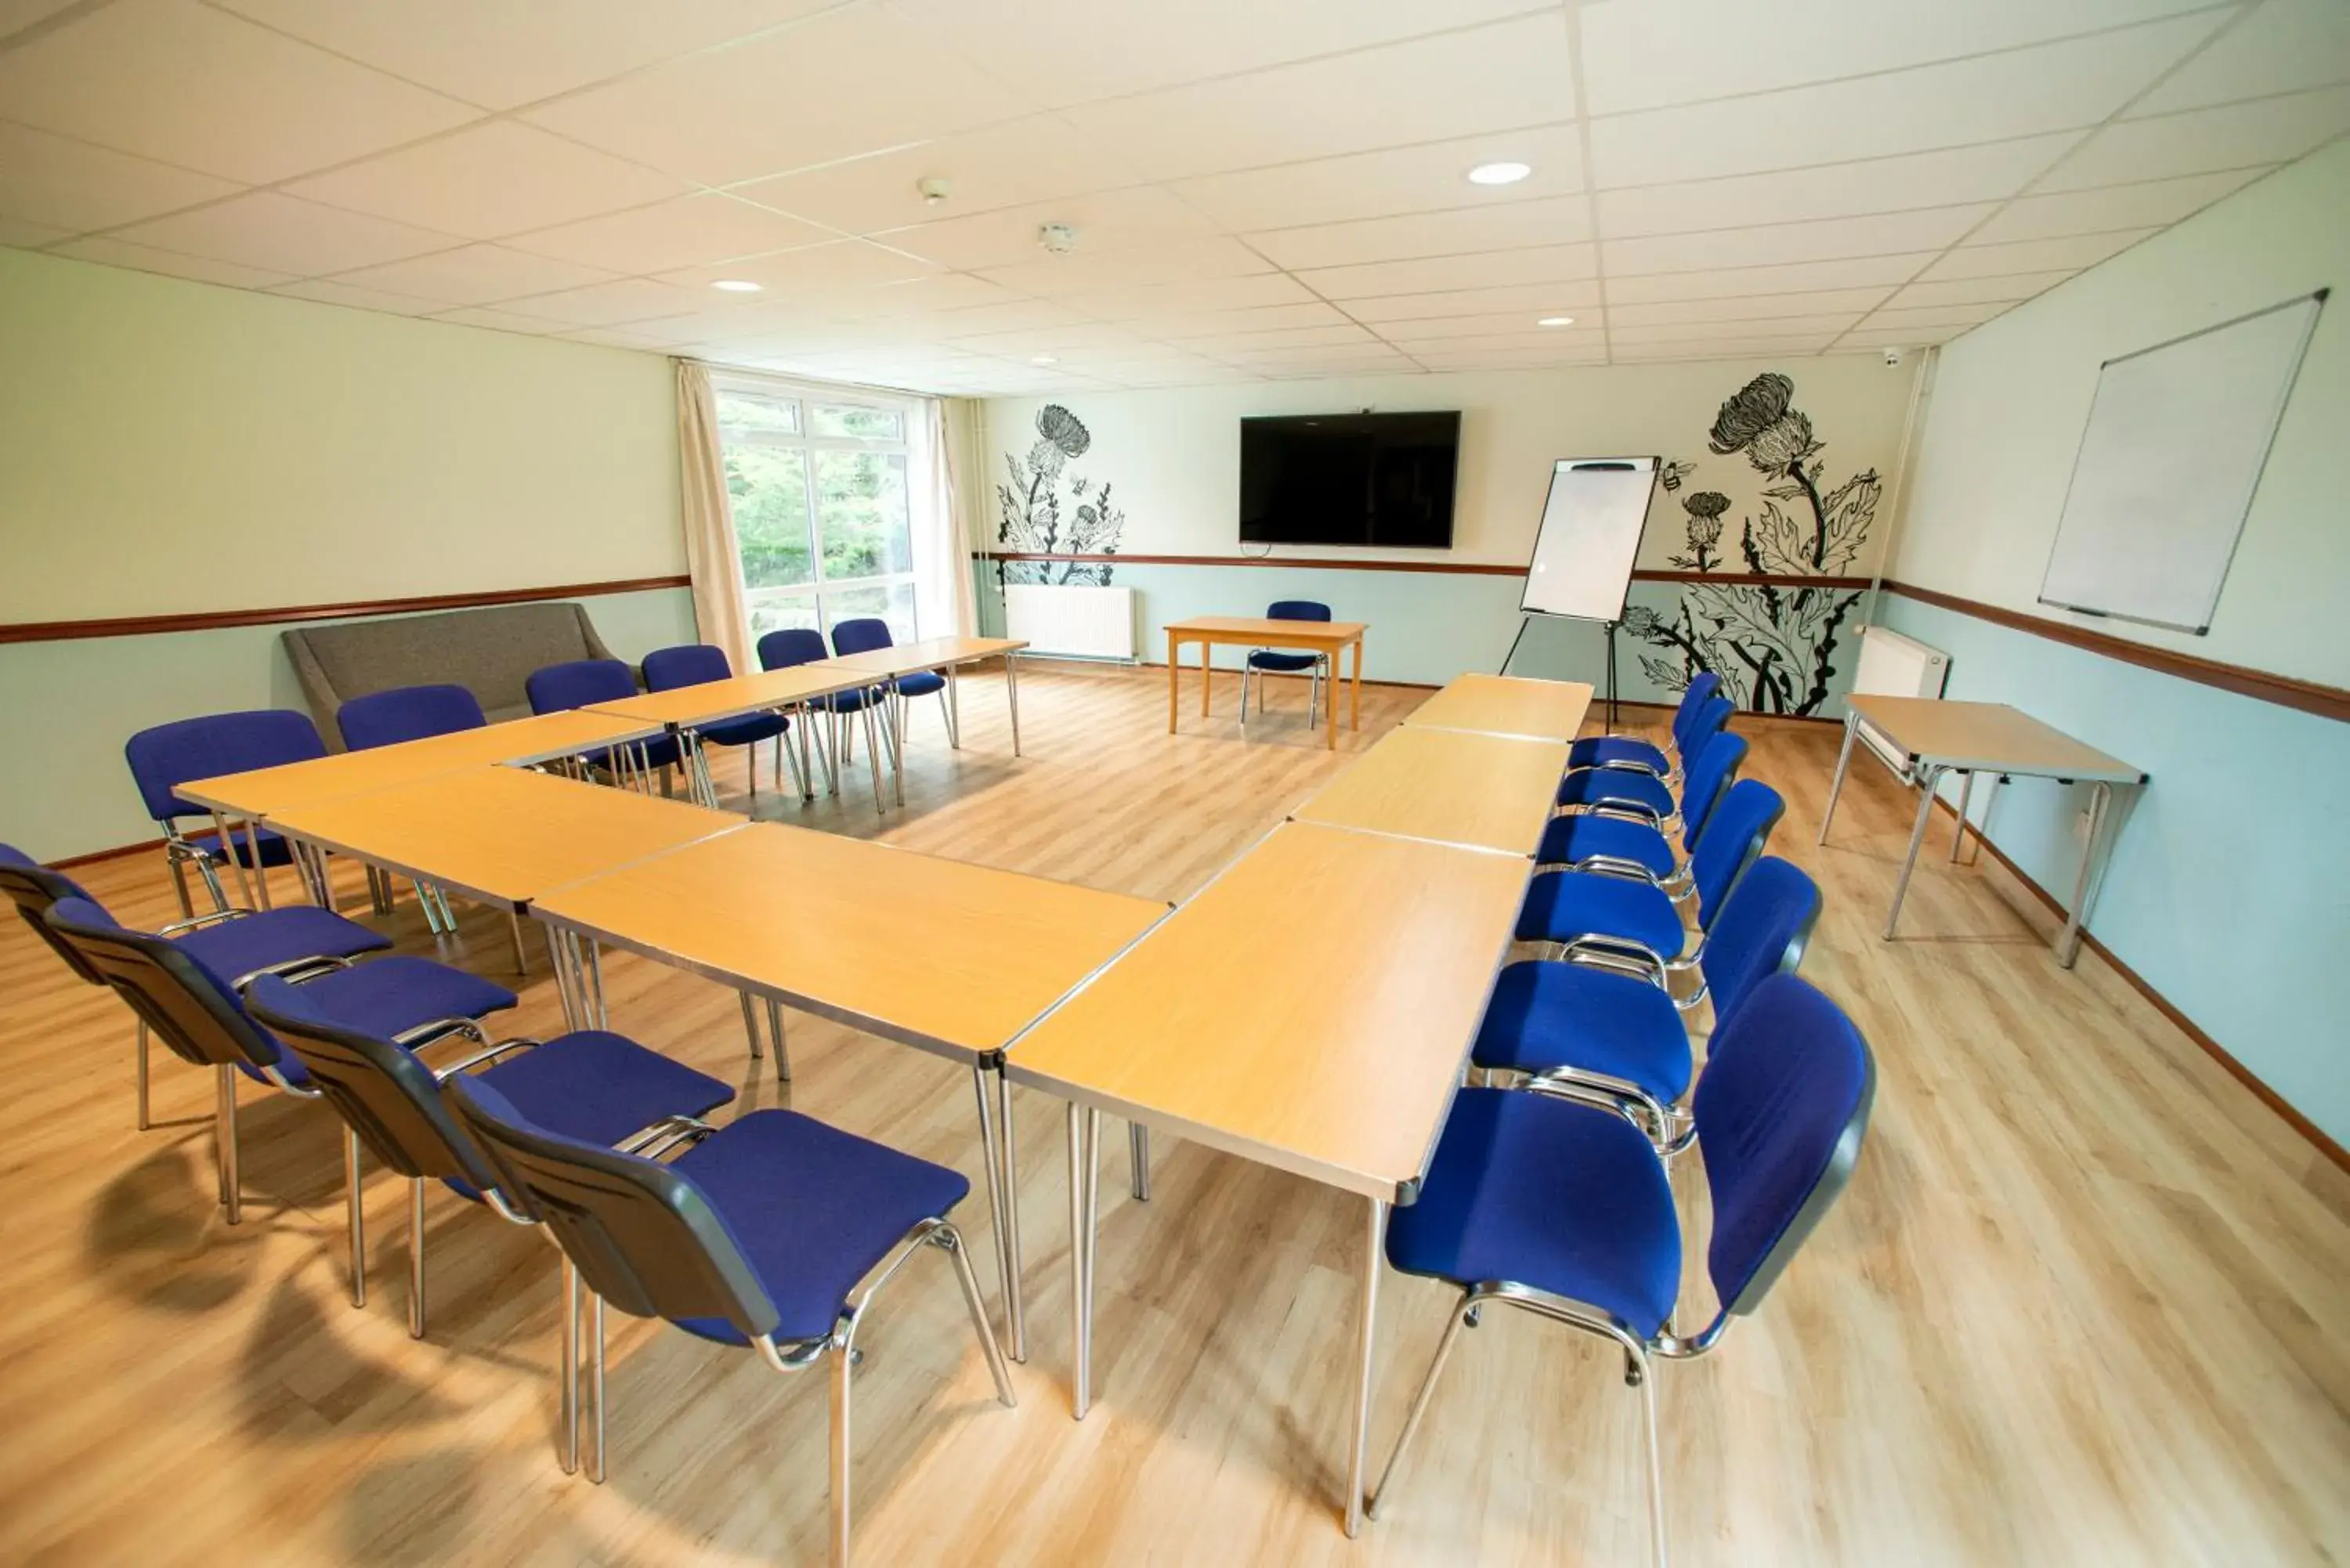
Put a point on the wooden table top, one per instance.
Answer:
(1256, 629)
(503, 836)
(685, 706)
(266, 792)
(1311, 1009)
(930, 653)
(1986, 737)
(1452, 786)
(1506, 705)
(948, 956)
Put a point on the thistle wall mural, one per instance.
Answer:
(1034, 520)
(1773, 647)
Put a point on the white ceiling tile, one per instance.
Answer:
(924, 297)
(687, 231)
(2055, 87)
(18, 15)
(489, 180)
(1141, 216)
(605, 304)
(1954, 315)
(1459, 84)
(112, 252)
(474, 274)
(1752, 307)
(1809, 328)
(71, 186)
(1014, 316)
(2032, 256)
(2239, 136)
(1896, 336)
(1562, 220)
(2284, 45)
(1189, 298)
(1949, 178)
(1719, 348)
(1495, 269)
(841, 264)
(845, 82)
(1038, 158)
(2003, 290)
(502, 52)
(286, 236)
(1828, 239)
(1195, 261)
(1066, 51)
(501, 321)
(1583, 338)
(1420, 179)
(1512, 358)
(1412, 334)
(1859, 272)
(328, 291)
(1280, 337)
(616, 338)
(1177, 325)
(174, 81)
(1537, 300)
(22, 236)
(2155, 203)
(1712, 50)
(1316, 363)
(1065, 342)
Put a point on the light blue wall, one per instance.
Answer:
(68, 707)
(2230, 883)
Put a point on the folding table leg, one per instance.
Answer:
(1927, 784)
(1359, 1449)
(1844, 762)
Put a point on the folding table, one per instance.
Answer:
(683, 710)
(946, 653)
(1447, 786)
(1506, 705)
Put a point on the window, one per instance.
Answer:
(817, 481)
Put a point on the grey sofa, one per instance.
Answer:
(490, 652)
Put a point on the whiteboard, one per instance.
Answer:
(1590, 535)
(2177, 438)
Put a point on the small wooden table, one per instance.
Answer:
(1938, 737)
(1506, 705)
(1447, 786)
(1224, 1025)
(1322, 636)
(943, 653)
(947, 957)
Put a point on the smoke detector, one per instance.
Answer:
(934, 191)
(1058, 238)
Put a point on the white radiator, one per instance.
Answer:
(1892, 665)
(1072, 619)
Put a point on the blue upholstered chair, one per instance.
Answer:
(790, 646)
(169, 755)
(236, 942)
(867, 633)
(1314, 666)
(1637, 793)
(1682, 736)
(197, 1011)
(699, 664)
(561, 687)
(597, 1086)
(1615, 826)
(758, 1234)
(1617, 1039)
(1565, 1211)
(407, 714)
(1630, 922)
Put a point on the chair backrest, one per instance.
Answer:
(32, 887)
(862, 634)
(191, 1009)
(1296, 609)
(1695, 725)
(1761, 930)
(1734, 839)
(575, 685)
(792, 645)
(408, 713)
(1781, 1109)
(169, 755)
(382, 1092)
(1697, 693)
(1709, 773)
(644, 1236)
(695, 664)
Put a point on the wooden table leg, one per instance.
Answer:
(1207, 667)
(1355, 698)
(1330, 709)
(1174, 678)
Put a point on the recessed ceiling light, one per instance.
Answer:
(1499, 173)
(736, 285)
(1043, 359)
(1555, 321)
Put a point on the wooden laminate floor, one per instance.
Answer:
(2082, 1304)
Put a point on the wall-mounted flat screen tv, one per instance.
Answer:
(1350, 479)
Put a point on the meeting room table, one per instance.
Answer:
(682, 711)
(1447, 786)
(1327, 637)
(946, 655)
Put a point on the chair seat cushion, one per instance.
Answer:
(234, 948)
(848, 701)
(1613, 751)
(389, 996)
(1564, 905)
(599, 1087)
(747, 731)
(1568, 839)
(1544, 1016)
(921, 683)
(1618, 786)
(1543, 1192)
(275, 849)
(1260, 660)
(813, 1209)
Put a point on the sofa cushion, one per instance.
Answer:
(489, 651)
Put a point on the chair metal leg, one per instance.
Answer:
(842, 1363)
(144, 1122)
(595, 1383)
(1648, 1373)
(1138, 1154)
(1012, 695)
(416, 1259)
(178, 868)
(224, 1144)
(873, 757)
(568, 1384)
(775, 1033)
(951, 1240)
(357, 1216)
(1463, 1314)
(955, 711)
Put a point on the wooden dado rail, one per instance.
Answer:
(212, 620)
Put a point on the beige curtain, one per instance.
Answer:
(710, 550)
(944, 604)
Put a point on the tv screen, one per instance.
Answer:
(1349, 479)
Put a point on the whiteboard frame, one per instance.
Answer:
(2252, 489)
(1656, 473)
